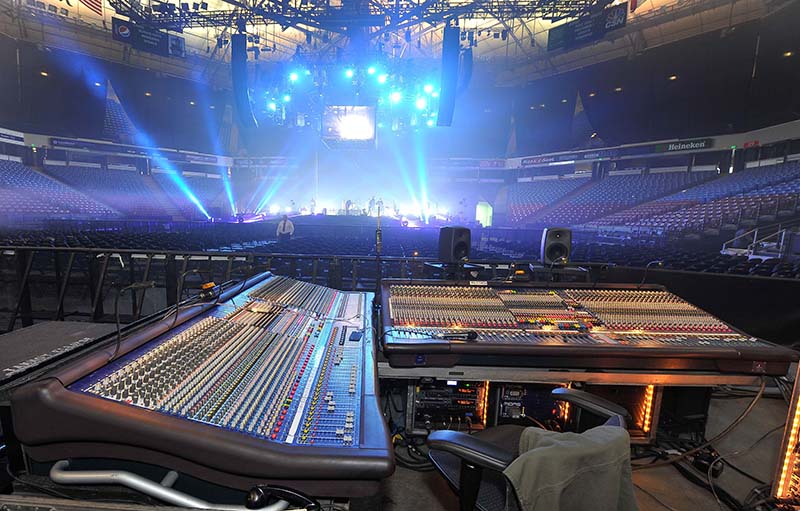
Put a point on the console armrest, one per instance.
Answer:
(615, 414)
(471, 449)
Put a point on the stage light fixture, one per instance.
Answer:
(382, 78)
(293, 77)
(204, 6)
(421, 103)
(349, 73)
(618, 89)
(564, 100)
(435, 94)
(191, 103)
(371, 70)
(148, 94)
(395, 96)
(287, 98)
(272, 106)
(592, 94)
(44, 73)
(672, 78)
(274, 209)
(429, 123)
(97, 84)
(428, 88)
(788, 54)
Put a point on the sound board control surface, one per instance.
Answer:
(597, 326)
(292, 367)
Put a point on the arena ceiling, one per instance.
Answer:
(510, 35)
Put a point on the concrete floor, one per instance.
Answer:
(668, 490)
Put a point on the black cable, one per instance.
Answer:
(746, 474)
(248, 268)
(719, 436)
(181, 282)
(137, 285)
(51, 492)
(725, 497)
(660, 263)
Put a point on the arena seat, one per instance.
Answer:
(128, 191)
(25, 191)
(732, 200)
(208, 191)
(526, 199)
(617, 192)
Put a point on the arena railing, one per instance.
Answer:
(59, 283)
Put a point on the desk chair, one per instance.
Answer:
(474, 464)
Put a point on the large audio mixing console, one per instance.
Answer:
(442, 324)
(275, 385)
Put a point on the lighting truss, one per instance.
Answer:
(382, 15)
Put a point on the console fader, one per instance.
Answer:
(280, 387)
(438, 323)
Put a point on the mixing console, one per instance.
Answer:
(545, 310)
(443, 306)
(646, 310)
(294, 366)
(445, 324)
(319, 300)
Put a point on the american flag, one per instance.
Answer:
(96, 6)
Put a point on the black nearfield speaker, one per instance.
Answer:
(454, 243)
(556, 245)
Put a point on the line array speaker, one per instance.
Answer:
(447, 98)
(241, 92)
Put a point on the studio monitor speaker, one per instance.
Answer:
(454, 244)
(556, 245)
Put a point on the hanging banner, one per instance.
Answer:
(148, 39)
(587, 28)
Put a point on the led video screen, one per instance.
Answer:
(349, 125)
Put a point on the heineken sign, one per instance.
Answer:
(685, 145)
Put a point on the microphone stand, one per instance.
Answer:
(378, 267)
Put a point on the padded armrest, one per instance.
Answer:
(615, 414)
(471, 449)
